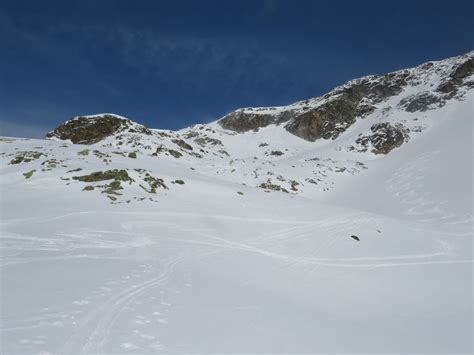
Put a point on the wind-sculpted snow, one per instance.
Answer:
(207, 240)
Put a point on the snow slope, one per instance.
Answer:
(199, 256)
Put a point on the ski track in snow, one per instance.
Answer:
(91, 334)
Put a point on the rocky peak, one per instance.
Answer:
(330, 115)
(93, 129)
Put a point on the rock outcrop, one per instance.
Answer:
(246, 120)
(340, 108)
(93, 129)
(422, 102)
(328, 116)
(457, 76)
(384, 137)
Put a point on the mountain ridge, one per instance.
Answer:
(142, 240)
(391, 111)
(331, 114)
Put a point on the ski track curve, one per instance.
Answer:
(92, 333)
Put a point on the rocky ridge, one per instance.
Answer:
(304, 148)
(327, 117)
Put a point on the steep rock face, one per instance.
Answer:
(451, 85)
(326, 121)
(246, 120)
(457, 76)
(93, 129)
(344, 105)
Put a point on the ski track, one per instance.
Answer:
(91, 334)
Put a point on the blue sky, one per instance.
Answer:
(168, 64)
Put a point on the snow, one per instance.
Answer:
(200, 268)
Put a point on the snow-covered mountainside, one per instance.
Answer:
(341, 223)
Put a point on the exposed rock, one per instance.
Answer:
(182, 144)
(162, 149)
(120, 175)
(224, 152)
(74, 170)
(421, 102)
(243, 120)
(274, 187)
(384, 137)
(51, 164)
(464, 70)
(294, 185)
(154, 183)
(100, 155)
(26, 157)
(327, 121)
(203, 141)
(344, 104)
(387, 85)
(457, 76)
(328, 116)
(175, 153)
(28, 174)
(364, 109)
(113, 186)
(93, 129)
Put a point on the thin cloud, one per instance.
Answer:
(198, 60)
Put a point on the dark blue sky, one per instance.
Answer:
(169, 64)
